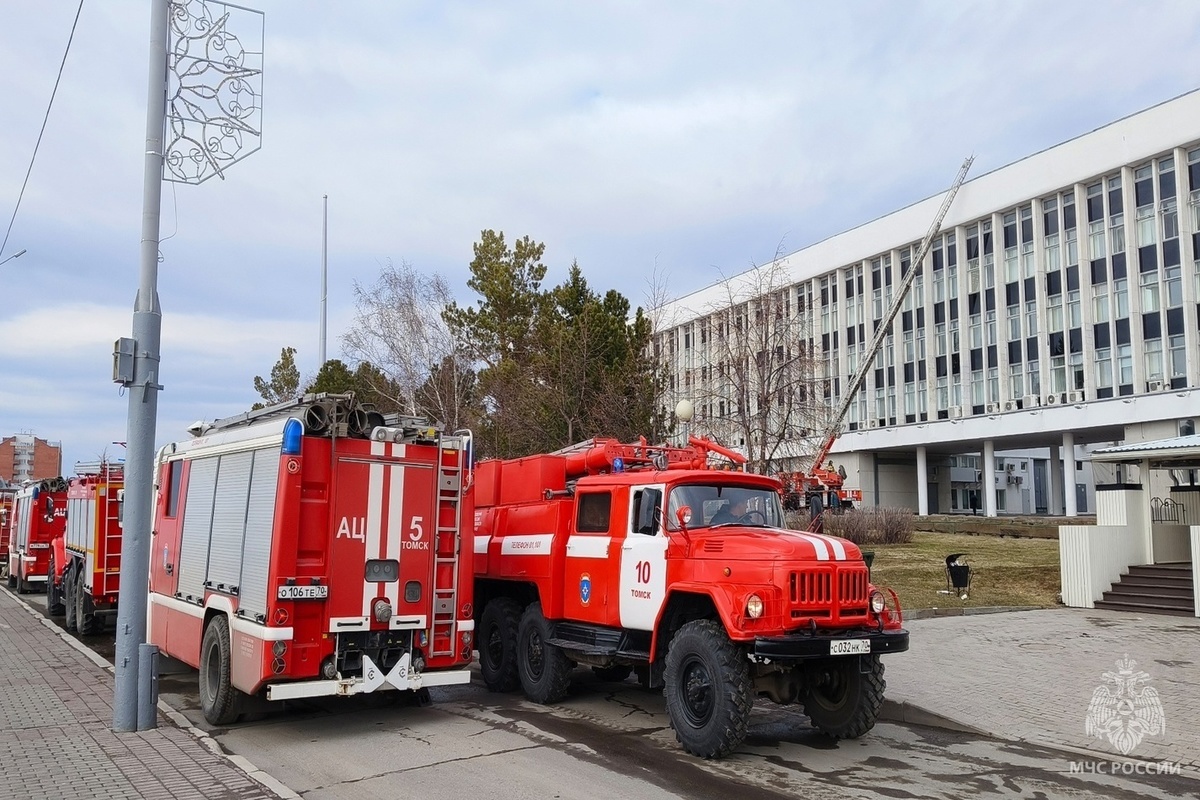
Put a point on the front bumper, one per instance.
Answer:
(804, 646)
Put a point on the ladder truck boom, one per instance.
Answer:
(884, 327)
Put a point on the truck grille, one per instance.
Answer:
(826, 593)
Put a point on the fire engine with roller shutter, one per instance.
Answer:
(313, 549)
(85, 562)
(626, 557)
(39, 515)
(7, 495)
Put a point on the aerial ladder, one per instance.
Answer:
(819, 477)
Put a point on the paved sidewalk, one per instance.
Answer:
(1031, 675)
(55, 730)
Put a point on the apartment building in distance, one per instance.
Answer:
(1058, 310)
(24, 457)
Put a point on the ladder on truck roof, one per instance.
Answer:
(335, 415)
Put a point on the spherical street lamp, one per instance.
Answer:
(685, 410)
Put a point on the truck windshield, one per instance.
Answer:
(723, 504)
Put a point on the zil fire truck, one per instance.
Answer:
(627, 557)
(311, 549)
(39, 516)
(85, 563)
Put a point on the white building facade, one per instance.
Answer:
(1056, 310)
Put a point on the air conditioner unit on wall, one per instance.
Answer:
(993, 408)
(1010, 405)
(872, 423)
(1051, 399)
(1154, 386)
(1030, 401)
(1075, 397)
(956, 412)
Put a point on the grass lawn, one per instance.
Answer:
(1005, 571)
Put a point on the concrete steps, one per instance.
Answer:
(1153, 589)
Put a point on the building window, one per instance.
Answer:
(1104, 375)
(1145, 226)
(1035, 377)
(1055, 314)
(1124, 364)
(991, 327)
(993, 378)
(1154, 359)
(1178, 355)
(910, 352)
(1031, 323)
(977, 387)
(1058, 374)
(1170, 219)
(1116, 225)
(1149, 281)
(1052, 259)
(976, 332)
(1014, 323)
(1076, 370)
(1121, 298)
(1096, 238)
(1074, 315)
(943, 393)
(1174, 286)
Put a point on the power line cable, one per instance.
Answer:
(45, 119)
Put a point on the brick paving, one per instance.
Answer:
(1030, 675)
(56, 738)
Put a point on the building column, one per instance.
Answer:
(922, 483)
(1054, 470)
(988, 485)
(1069, 474)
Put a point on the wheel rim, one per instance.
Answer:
(696, 692)
(493, 651)
(212, 673)
(831, 692)
(535, 653)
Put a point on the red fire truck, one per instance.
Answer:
(628, 557)
(85, 563)
(313, 549)
(39, 516)
(7, 496)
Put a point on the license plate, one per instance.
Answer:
(39, 546)
(849, 647)
(303, 592)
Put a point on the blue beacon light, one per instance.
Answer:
(293, 431)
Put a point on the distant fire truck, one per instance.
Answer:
(85, 563)
(628, 557)
(39, 516)
(312, 549)
(7, 496)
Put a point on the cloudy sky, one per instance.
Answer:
(683, 137)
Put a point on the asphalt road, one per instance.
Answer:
(612, 741)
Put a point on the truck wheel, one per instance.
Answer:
(498, 629)
(54, 592)
(708, 688)
(545, 670)
(69, 597)
(220, 702)
(12, 580)
(86, 620)
(842, 701)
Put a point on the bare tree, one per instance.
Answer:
(399, 329)
(753, 371)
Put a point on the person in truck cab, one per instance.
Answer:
(732, 511)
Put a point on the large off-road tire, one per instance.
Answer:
(220, 702)
(69, 597)
(54, 592)
(708, 688)
(842, 700)
(545, 670)
(86, 621)
(497, 638)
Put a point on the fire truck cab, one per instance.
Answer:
(630, 557)
(39, 517)
(312, 549)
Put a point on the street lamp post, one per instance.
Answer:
(685, 410)
(17, 254)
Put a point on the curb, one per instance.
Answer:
(901, 711)
(176, 717)
(964, 611)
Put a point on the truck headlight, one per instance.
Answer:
(877, 602)
(754, 606)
